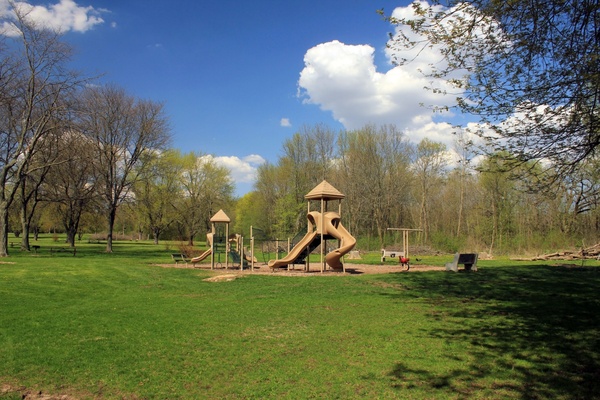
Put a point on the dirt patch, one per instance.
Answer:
(28, 394)
(222, 278)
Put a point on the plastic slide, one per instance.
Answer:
(296, 251)
(202, 256)
(347, 243)
(248, 257)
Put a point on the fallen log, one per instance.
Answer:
(589, 253)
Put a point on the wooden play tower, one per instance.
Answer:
(324, 193)
(219, 217)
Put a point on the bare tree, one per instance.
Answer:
(71, 183)
(34, 83)
(429, 168)
(31, 181)
(121, 129)
(373, 170)
(464, 150)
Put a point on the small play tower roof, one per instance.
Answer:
(324, 191)
(220, 216)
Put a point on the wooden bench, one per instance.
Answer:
(71, 250)
(469, 260)
(391, 254)
(178, 257)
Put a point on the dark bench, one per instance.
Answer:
(469, 260)
(71, 250)
(178, 257)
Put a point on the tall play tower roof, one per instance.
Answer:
(324, 191)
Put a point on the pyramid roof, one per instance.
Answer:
(324, 191)
(220, 216)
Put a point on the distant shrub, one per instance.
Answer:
(447, 243)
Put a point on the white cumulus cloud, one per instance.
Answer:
(64, 16)
(285, 122)
(243, 170)
(343, 79)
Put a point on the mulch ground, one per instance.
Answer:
(315, 270)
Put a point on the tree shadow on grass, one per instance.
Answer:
(531, 331)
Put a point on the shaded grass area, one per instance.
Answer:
(116, 326)
(530, 331)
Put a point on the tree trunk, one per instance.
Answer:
(71, 233)
(111, 225)
(25, 229)
(461, 201)
(4, 228)
(155, 234)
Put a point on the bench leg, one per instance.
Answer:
(452, 267)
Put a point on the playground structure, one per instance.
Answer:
(323, 225)
(240, 252)
(216, 240)
(220, 242)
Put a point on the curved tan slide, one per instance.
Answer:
(347, 243)
(331, 226)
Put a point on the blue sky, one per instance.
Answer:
(240, 77)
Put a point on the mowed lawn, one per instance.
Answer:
(109, 326)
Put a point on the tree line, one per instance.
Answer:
(491, 205)
(80, 157)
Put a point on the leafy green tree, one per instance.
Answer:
(204, 188)
(528, 70)
(154, 193)
(249, 212)
(270, 184)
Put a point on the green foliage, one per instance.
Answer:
(447, 243)
(248, 213)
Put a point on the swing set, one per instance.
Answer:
(402, 255)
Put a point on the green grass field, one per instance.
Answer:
(108, 326)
